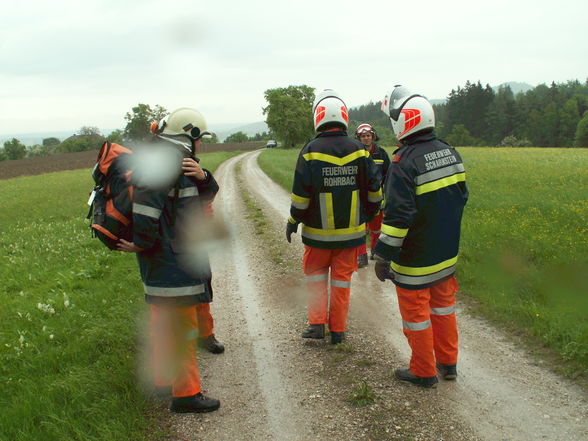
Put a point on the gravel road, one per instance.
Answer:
(273, 385)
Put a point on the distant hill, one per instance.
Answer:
(515, 87)
(249, 129)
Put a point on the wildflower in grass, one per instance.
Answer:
(45, 308)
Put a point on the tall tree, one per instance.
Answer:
(582, 131)
(50, 142)
(237, 137)
(139, 121)
(289, 113)
(90, 131)
(14, 149)
(569, 116)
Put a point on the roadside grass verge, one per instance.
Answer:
(524, 250)
(70, 318)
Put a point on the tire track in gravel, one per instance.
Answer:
(256, 399)
(500, 393)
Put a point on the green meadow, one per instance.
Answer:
(71, 319)
(524, 248)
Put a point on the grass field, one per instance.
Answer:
(70, 318)
(524, 250)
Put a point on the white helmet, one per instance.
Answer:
(365, 128)
(408, 112)
(329, 111)
(185, 121)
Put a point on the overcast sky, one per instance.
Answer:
(65, 64)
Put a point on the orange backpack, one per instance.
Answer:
(111, 200)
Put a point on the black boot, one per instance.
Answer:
(314, 331)
(362, 261)
(407, 375)
(337, 337)
(447, 371)
(211, 344)
(196, 403)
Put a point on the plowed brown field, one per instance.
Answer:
(77, 160)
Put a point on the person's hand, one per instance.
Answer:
(128, 247)
(191, 168)
(382, 269)
(290, 229)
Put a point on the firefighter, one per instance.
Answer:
(162, 211)
(368, 137)
(336, 190)
(425, 198)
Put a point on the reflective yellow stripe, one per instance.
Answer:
(378, 161)
(330, 216)
(299, 199)
(334, 159)
(422, 271)
(336, 231)
(393, 231)
(440, 183)
(353, 213)
(375, 196)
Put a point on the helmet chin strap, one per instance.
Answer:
(187, 146)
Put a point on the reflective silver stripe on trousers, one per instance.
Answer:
(317, 278)
(163, 291)
(146, 210)
(333, 238)
(438, 174)
(323, 204)
(448, 310)
(419, 326)
(300, 205)
(185, 192)
(390, 240)
(376, 231)
(420, 280)
(341, 283)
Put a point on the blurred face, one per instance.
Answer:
(366, 139)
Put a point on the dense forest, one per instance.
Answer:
(476, 115)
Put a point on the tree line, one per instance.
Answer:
(137, 129)
(476, 115)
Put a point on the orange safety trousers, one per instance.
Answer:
(173, 331)
(205, 320)
(429, 324)
(373, 227)
(322, 308)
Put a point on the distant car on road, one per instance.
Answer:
(271, 144)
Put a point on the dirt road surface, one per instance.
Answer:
(273, 385)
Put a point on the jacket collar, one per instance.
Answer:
(419, 137)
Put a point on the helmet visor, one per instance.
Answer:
(398, 98)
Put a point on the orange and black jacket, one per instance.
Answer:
(425, 196)
(336, 190)
(159, 215)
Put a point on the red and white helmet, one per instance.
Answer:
(409, 112)
(329, 111)
(365, 128)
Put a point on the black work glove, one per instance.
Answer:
(290, 229)
(382, 269)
